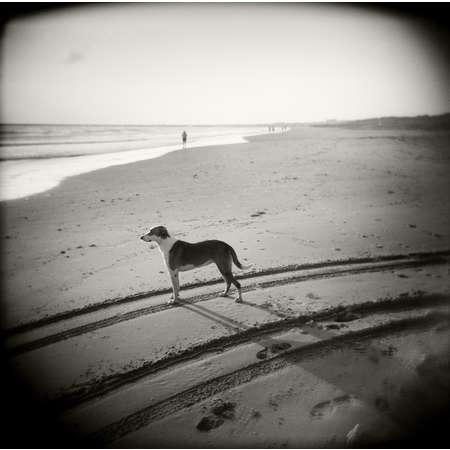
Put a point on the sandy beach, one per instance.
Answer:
(345, 305)
(313, 139)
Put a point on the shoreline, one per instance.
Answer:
(25, 177)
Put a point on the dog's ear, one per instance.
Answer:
(160, 231)
(163, 233)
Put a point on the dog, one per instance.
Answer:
(181, 256)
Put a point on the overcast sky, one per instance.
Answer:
(212, 63)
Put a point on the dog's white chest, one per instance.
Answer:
(165, 255)
(164, 248)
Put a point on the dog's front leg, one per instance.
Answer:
(177, 279)
(175, 286)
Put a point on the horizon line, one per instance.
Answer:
(261, 124)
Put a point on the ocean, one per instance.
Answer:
(37, 158)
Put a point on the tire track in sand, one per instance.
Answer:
(425, 257)
(327, 269)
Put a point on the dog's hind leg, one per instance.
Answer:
(227, 274)
(238, 287)
(227, 288)
(224, 266)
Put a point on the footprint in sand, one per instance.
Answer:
(224, 410)
(327, 409)
(209, 422)
(279, 347)
(274, 348)
(221, 411)
(346, 316)
(262, 354)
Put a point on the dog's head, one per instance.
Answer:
(156, 234)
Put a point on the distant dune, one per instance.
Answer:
(440, 122)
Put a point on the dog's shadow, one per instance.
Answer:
(267, 343)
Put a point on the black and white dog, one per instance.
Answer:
(180, 256)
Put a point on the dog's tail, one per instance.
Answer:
(236, 261)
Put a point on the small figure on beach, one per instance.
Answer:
(184, 138)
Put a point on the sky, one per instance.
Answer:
(217, 64)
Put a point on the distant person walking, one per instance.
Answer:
(184, 138)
